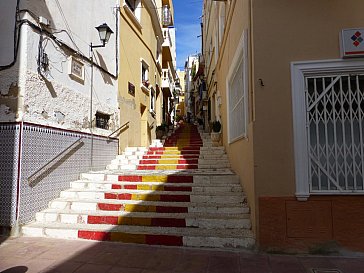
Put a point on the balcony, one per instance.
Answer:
(167, 81)
(167, 46)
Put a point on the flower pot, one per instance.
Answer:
(215, 138)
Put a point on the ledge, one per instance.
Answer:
(132, 16)
(144, 89)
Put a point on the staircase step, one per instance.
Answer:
(198, 220)
(172, 236)
(143, 195)
(155, 186)
(182, 194)
(151, 206)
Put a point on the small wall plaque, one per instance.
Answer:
(76, 69)
(131, 89)
(352, 42)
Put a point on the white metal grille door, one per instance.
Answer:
(335, 124)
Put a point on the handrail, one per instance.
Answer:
(50, 163)
(118, 129)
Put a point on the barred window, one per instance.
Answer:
(102, 120)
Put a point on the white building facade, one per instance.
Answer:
(57, 104)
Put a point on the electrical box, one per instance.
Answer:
(44, 21)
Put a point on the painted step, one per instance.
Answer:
(196, 220)
(148, 206)
(143, 195)
(168, 161)
(167, 166)
(155, 186)
(177, 178)
(174, 236)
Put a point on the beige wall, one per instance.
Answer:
(135, 44)
(286, 31)
(240, 153)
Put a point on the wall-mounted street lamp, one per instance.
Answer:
(104, 33)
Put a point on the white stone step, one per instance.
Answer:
(216, 178)
(231, 238)
(105, 185)
(194, 197)
(197, 220)
(92, 204)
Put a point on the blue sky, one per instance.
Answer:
(187, 15)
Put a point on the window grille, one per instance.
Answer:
(335, 124)
(102, 120)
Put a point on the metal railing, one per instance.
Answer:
(124, 126)
(37, 175)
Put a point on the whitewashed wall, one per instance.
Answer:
(53, 98)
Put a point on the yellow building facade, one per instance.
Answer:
(140, 74)
(277, 76)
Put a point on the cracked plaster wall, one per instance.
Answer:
(52, 97)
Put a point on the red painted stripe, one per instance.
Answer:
(190, 152)
(116, 187)
(131, 187)
(354, 52)
(186, 167)
(92, 235)
(166, 240)
(148, 161)
(130, 178)
(108, 220)
(162, 209)
(156, 149)
(173, 188)
(152, 157)
(146, 167)
(174, 198)
(110, 207)
(188, 161)
(180, 179)
(168, 222)
(118, 196)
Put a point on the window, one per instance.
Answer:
(237, 85)
(152, 100)
(221, 22)
(132, 4)
(145, 74)
(102, 120)
(133, 9)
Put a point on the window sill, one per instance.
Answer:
(132, 16)
(144, 89)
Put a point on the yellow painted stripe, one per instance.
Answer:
(166, 167)
(170, 148)
(139, 208)
(150, 187)
(173, 152)
(128, 238)
(169, 156)
(168, 161)
(154, 178)
(145, 197)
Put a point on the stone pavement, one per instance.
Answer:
(26, 255)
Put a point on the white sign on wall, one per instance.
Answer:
(352, 42)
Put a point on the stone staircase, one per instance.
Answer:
(182, 194)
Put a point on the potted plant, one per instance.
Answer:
(216, 133)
